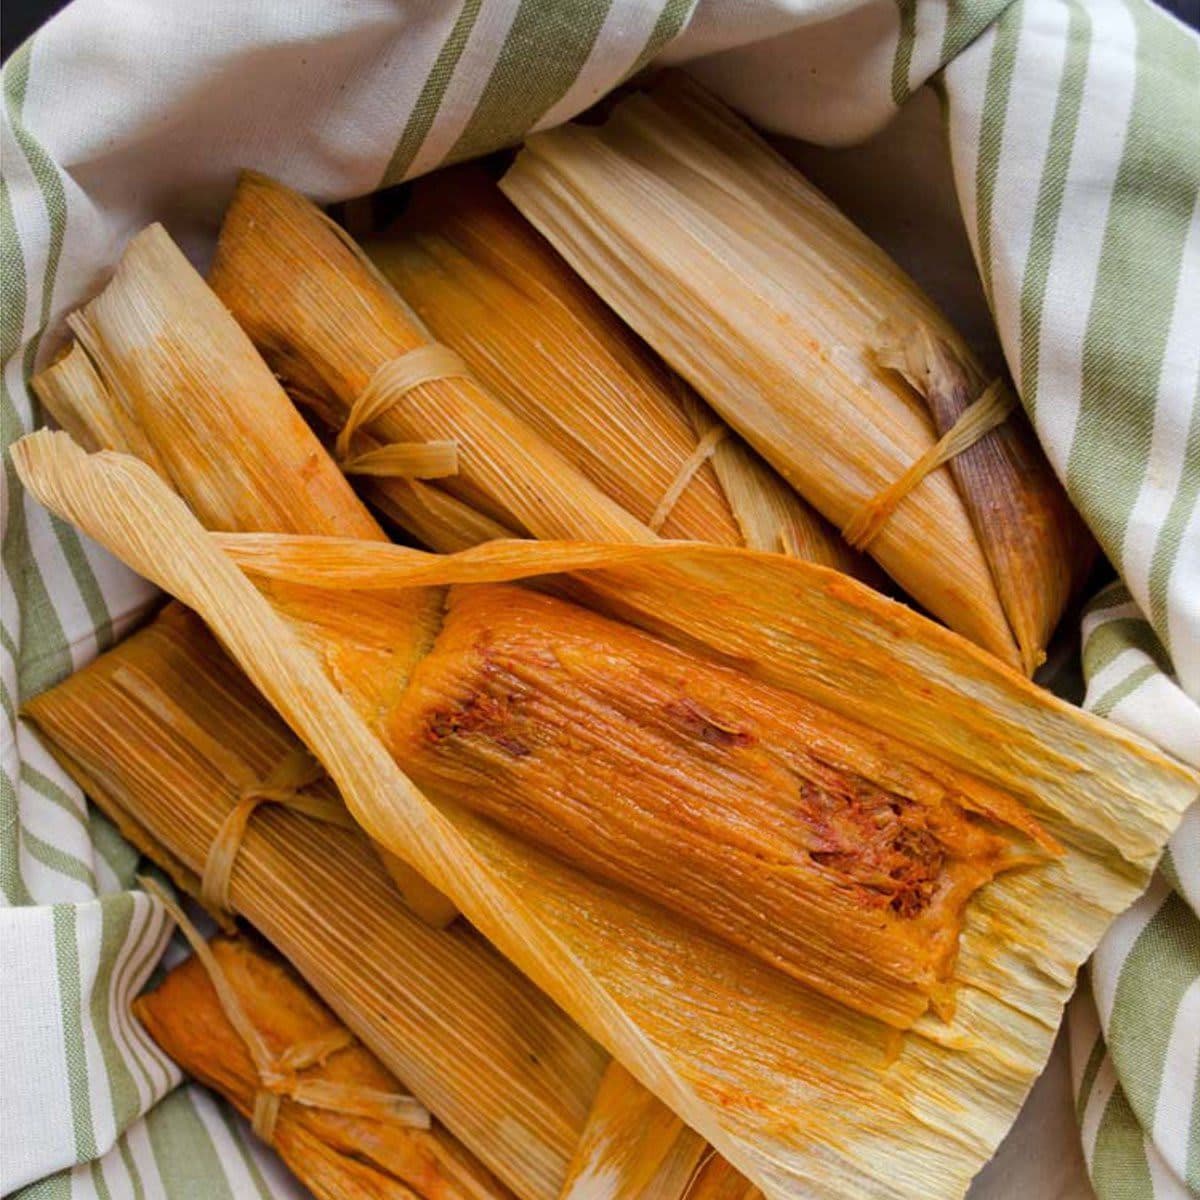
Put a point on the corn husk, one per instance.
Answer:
(766, 299)
(326, 321)
(801, 1094)
(504, 1069)
(485, 283)
(632, 1148)
(337, 1152)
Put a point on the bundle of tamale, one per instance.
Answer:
(598, 744)
(163, 732)
(798, 1091)
(789, 1084)
(487, 284)
(343, 1123)
(814, 345)
(589, 739)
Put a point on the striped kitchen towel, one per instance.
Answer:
(1075, 146)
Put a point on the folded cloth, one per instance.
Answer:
(1076, 156)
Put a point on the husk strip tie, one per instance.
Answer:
(390, 383)
(977, 420)
(686, 473)
(278, 1073)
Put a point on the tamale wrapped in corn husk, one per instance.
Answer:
(505, 1070)
(799, 1092)
(773, 305)
(335, 1126)
(327, 322)
(487, 284)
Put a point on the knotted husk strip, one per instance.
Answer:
(633, 1148)
(485, 282)
(504, 1069)
(326, 321)
(768, 301)
(278, 1070)
(338, 1153)
(1026, 525)
(799, 1093)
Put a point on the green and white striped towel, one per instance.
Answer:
(1075, 144)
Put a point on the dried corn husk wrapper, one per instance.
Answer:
(485, 283)
(344, 1125)
(775, 308)
(798, 1092)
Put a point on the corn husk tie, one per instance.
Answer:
(391, 382)
(977, 421)
(706, 447)
(295, 771)
(278, 1073)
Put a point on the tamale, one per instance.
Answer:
(505, 1070)
(771, 303)
(338, 1153)
(797, 1091)
(487, 284)
(286, 271)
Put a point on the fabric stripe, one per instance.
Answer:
(430, 99)
(1090, 1071)
(116, 919)
(672, 20)
(1154, 977)
(60, 861)
(1123, 690)
(991, 136)
(542, 56)
(49, 790)
(1113, 637)
(67, 961)
(183, 1148)
(1118, 1164)
(1179, 1094)
(1126, 335)
(1050, 197)
(902, 60)
(488, 35)
(12, 881)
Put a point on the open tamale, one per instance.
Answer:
(162, 732)
(823, 848)
(341, 1124)
(776, 308)
(487, 284)
(797, 1091)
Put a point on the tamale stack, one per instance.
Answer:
(782, 313)
(487, 284)
(799, 1090)
(343, 1124)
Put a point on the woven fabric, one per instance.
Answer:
(1076, 157)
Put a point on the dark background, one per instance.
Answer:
(19, 18)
